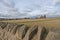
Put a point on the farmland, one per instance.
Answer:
(29, 29)
(52, 22)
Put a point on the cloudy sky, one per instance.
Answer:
(29, 8)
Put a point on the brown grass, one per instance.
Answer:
(52, 22)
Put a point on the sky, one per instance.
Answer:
(29, 8)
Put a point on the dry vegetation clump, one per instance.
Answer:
(53, 36)
(8, 32)
(21, 31)
(30, 33)
(13, 31)
(3, 24)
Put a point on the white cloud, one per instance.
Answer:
(7, 9)
(56, 0)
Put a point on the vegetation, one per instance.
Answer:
(30, 29)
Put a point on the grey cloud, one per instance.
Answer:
(8, 9)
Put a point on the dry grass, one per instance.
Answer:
(52, 22)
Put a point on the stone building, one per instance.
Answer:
(43, 16)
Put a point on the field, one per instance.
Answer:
(47, 29)
(52, 22)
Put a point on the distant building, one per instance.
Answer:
(26, 18)
(43, 16)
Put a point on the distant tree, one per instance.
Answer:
(44, 16)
